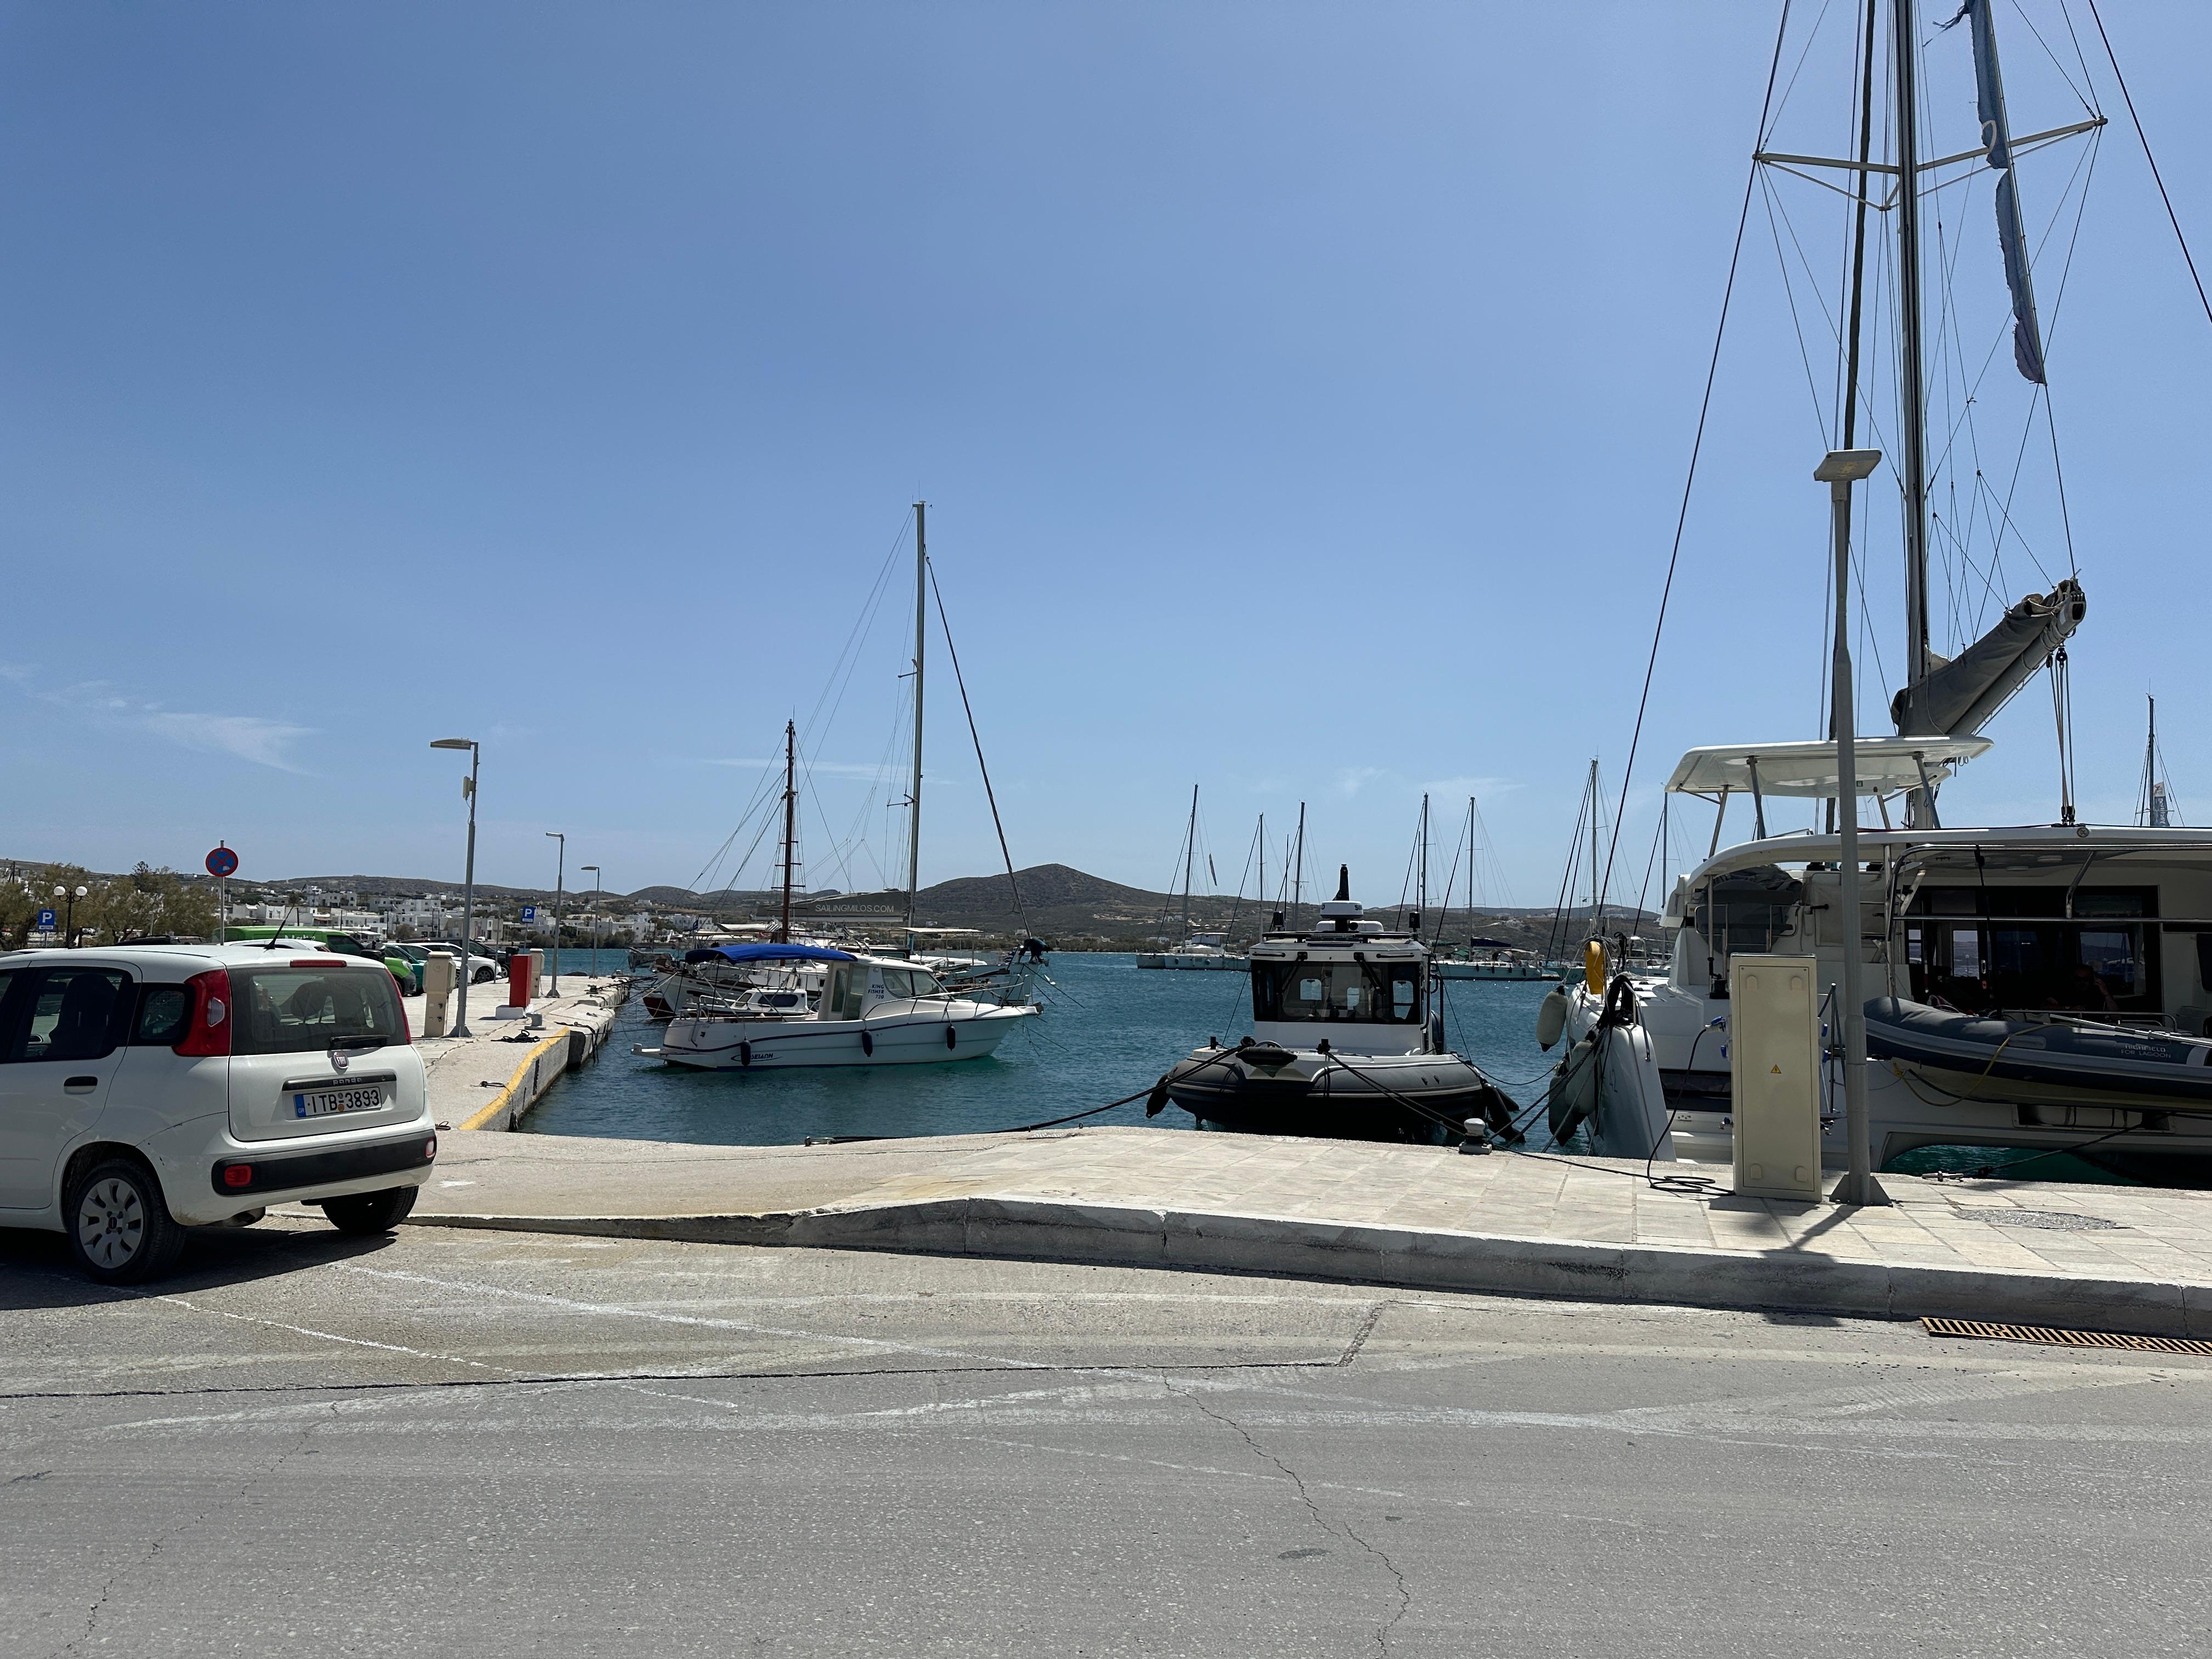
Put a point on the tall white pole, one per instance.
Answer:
(468, 894)
(1839, 470)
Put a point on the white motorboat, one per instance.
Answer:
(870, 1011)
(1487, 958)
(1348, 1039)
(1201, 953)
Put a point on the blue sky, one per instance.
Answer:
(1302, 394)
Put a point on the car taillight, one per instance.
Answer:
(209, 1029)
(318, 962)
(237, 1175)
(406, 1032)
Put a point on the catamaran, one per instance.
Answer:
(2042, 988)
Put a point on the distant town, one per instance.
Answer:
(1074, 910)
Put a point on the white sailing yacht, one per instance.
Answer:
(1193, 952)
(853, 1008)
(2039, 987)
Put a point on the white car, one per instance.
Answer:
(150, 1088)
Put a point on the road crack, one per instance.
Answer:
(163, 1541)
(1330, 1528)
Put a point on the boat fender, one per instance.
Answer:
(1551, 1017)
(744, 1054)
(868, 1044)
(1574, 1088)
(1156, 1102)
(1594, 966)
(951, 1037)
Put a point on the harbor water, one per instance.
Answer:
(1108, 1029)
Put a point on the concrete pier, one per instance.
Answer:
(2107, 1258)
(492, 1077)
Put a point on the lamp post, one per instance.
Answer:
(68, 925)
(468, 872)
(560, 869)
(595, 869)
(1839, 470)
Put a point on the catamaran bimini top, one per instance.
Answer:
(1885, 766)
(768, 953)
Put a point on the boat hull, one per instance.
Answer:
(1422, 1097)
(1178, 962)
(1510, 970)
(933, 1038)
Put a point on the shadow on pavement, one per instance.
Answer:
(36, 1272)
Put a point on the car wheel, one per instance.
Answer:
(484, 977)
(120, 1230)
(371, 1213)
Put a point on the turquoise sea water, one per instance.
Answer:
(1108, 1029)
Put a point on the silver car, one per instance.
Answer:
(147, 1088)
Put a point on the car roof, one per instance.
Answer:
(179, 962)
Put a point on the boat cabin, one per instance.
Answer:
(1346, 981)
(2072, 920)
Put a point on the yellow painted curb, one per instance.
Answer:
(501, 1101)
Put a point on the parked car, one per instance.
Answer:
(147, 1088)
(403, 969)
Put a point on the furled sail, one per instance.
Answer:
(2012, 236)
(1959, 696)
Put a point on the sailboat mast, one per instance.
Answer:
(1189, 850)
(1914, 474)
(1596, 922)
(1298, 868)
(913, 827)
(790, 821)
(1421, 891)
(1470, 863)
(1850, 411)
(1263, 860)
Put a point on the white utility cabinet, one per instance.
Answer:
(437, 993)
(1774, 1075)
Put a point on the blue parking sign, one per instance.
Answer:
(46, 921)
(529, 913)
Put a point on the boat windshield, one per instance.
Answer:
(1370, 993)
(911, 982)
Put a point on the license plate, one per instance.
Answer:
(329, 1103)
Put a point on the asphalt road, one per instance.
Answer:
(476, 1442)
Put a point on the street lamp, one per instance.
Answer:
(1839, 470)
(68, 925)
(595, 869)
(559, 871)
(468, 873)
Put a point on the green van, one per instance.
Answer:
(408, 973)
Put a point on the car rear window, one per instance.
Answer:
(165, 1013)
(287, 1010)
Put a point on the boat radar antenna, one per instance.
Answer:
(1343, 884)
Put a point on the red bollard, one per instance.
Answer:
(517, 979)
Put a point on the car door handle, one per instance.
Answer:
(78, 1086)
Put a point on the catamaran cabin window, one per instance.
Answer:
(1999, 949)
(1370, 993)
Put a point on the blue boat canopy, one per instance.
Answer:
(769, 953)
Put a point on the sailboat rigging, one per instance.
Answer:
(2038, 987)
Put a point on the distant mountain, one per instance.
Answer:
(1062, 904)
